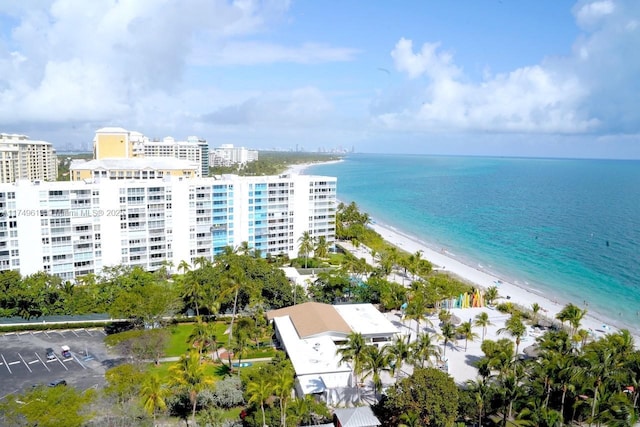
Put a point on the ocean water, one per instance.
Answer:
(568, 229)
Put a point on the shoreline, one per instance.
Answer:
(519, 294)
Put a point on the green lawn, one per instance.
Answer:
(259, 353)
(215, 370)
(180, 335)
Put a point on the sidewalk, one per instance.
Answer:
(221, 357)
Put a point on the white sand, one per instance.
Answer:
(461, 361)
(299, 168)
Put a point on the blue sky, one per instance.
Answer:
(549, 78)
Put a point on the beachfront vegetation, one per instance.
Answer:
(429, 396)
(572, 378)
(273, 163)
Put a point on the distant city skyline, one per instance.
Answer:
(537, 78)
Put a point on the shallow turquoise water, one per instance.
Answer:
(568, 228)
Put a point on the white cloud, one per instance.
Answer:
(428, 61)
(529, 99)
(111, 61)
(590, 13)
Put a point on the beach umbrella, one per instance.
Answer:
(533, 351)
(545, 323)
(455, 320)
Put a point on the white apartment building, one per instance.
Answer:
(23, 158)
(228, 155)
(70, 229)
(115, 142)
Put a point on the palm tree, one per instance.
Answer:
(153, 394)
(581, 336)
(184, 266)
(415, 263)
(239, 349)
(387, 260)
(244, 248)
(303, 410)
(483, 321)
(491, 295)
(466, 331)
(598, 364)
(234, 277)
(211, 339)
(514, 327)
(448, 335)
(189, 375)
(282, 387)
(199, 335)
(479, 389)
(573, 315)
(410, 419)
(375, 362)
(322, 248)
(617, 411)
(424, 348)
(398, 352)
(540, 416)
(417, 310)
(353, 351)
(201, 262)
(259, 391)
(535, 309)
(511, 390)
(191, 290)
(306, 245)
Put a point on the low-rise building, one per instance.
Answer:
(136, 168)
(311, 334)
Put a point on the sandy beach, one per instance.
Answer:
(461, 361)
(518, 295)
(299, 168)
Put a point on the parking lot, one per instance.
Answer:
(24, 362)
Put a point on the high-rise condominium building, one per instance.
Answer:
(22, 158)
(118, 143)
(71, 229)
(228, 155)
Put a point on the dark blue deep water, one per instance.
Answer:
(569, 229)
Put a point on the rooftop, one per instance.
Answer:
(361, 416)
(313, 319)
(150, 163)
(366, 319)
(309, 356)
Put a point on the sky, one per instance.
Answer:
(543, 78)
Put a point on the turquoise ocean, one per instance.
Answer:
(567, 229)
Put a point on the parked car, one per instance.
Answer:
(57, 383)
(66, 352)
(51, 355)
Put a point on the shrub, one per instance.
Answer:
(228, 393)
